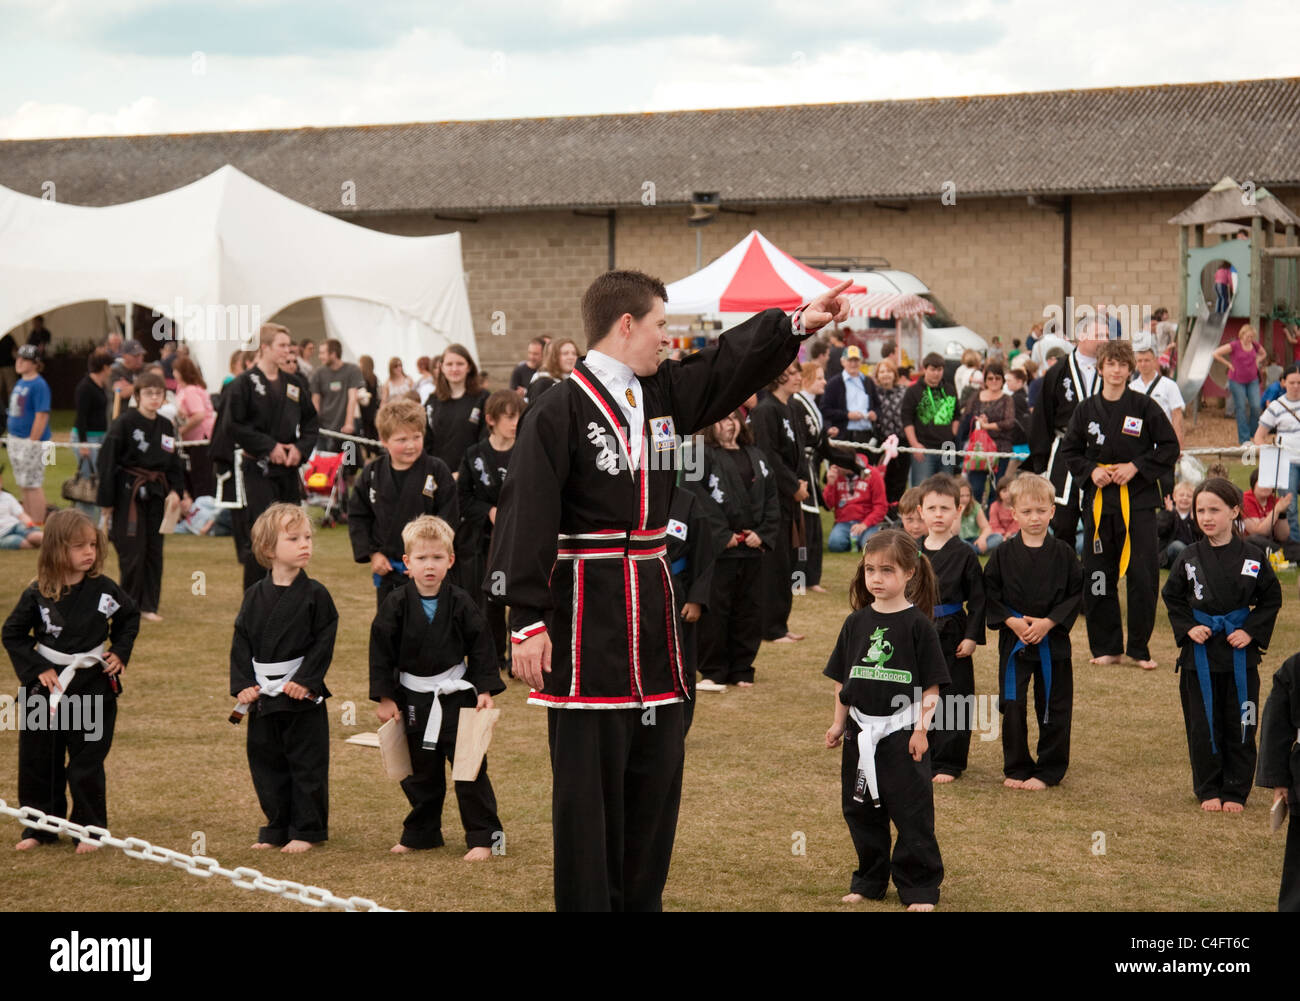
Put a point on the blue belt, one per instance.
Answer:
(1044, 659)
(943, 611)
(679, 565)
(398, 567)
(1225, 624)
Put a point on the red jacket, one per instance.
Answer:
(858, 498)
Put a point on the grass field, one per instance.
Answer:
(1123, 832)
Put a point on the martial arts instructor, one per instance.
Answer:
(579, 557)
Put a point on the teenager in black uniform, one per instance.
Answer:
(282, 647)
(1118, 446)
(737, 492)
(887, 669)
(430, 657)
(454, 411)
(267, 412)
(580, 544)
(394, 489)
(1223, 600)
(1279, 769)
(817, 449)
(1033, 587)
(691, 558)
(56, 637)
(140, 468)
(1070, 380)
(778, 432)
(959, 618)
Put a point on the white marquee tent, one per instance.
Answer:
(217, 254)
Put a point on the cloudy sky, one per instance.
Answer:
(94, 67)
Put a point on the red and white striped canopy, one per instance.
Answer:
(753, 275)
(888, 305)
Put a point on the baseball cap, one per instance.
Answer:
(853, 351)
(132, 347)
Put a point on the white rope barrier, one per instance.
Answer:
(206, 441)
(1248, 453)
(244, 877)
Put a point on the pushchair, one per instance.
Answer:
(322, 479)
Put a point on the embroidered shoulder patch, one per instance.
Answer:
(1133, 425)
(1250, 568)
(107, 605)
(291, 391)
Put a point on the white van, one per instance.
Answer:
(941, 334)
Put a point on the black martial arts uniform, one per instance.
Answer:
(817, 449)
(451, 426)
(1208, 582)
(138, 465)
(1279, 768)
(580, 544)
(288, 739)
(691, 558)
(92, 612)
(384, 500)
(737, 491)
(778, 433)
(255, 415)
(958, 616)
(884, 661)
(1064, 385)
(482, 475)
(1132, 429)
(1042, 582)
(404, 642)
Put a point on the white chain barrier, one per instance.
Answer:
(243, 877)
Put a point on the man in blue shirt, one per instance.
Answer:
(29, 426)
(847, 403)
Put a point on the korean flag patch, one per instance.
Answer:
(429, 485)
(291, 391)
(676, 529)
(168, 443)
(107, 606)
(1133, 426)
(1250, 568)
(663, 433)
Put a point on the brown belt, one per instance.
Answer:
(142, 477)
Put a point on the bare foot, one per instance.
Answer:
(853, 898)
(818, 588)
(1233, 807)
(1147, 665)
(26, 845)
(296, 847)
(1033, 785)
(943, 777)
(782, 639)
(920, 907)
(262, 844)
(795, 636)
(1013, 783)
(399, 849)
(151, 616)
(744, 684)
(86, 847)
(1105, 659)
(479, 854)
(1212, 805)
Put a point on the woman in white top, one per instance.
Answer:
(398, 384)
(970, 364)
(1282, 418)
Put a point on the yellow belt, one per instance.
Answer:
(1124, 512)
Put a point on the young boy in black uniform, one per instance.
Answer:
(394, 490)
(959, 617)
(282, 647)
(431, 656)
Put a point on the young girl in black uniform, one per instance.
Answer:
(887, 667)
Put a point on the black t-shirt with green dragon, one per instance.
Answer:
(884, 659)
(930, 411)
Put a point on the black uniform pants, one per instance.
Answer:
(140, 556)
(777, 596)
(289, 758)
(50, 760)
(260, 493)
(906, 798)
(426, 786)
(731, 630)
(1053, 731)
(688, 633)
(616, 788)
(1288, 897)
(1101, 610)
(811, 565)
(1065, 521)
(1228, 772)
(950, 743)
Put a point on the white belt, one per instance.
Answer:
(71, 664)
(451, 680)
(271, 678)
(1064, 496)
(874, 729)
